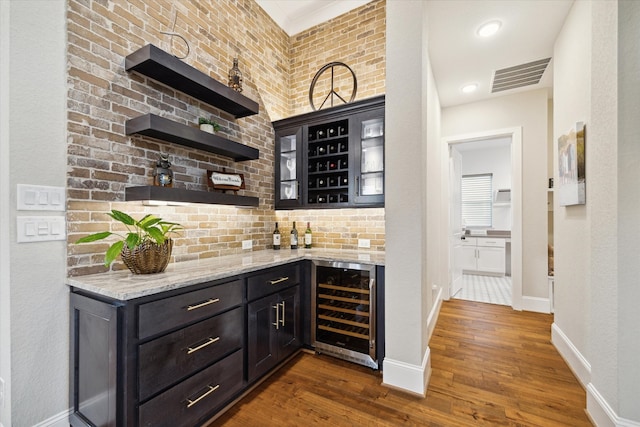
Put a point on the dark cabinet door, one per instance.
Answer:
(290, 329)
(262, 352)
(274, 330)
(367, 141)
(289, 168)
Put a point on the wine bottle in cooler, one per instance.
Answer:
(307, 237)
(276, 238)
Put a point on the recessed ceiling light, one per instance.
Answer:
(469, 88)
(489, 29)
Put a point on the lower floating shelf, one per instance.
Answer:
(167, 194)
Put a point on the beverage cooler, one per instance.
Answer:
(343, 319)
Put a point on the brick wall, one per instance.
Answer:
(102, 160)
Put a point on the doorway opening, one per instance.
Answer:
(485, 242)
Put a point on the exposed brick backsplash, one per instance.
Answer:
(277, 71)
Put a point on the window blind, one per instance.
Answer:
(477, 200)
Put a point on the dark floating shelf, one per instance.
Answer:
(159, 65)
(168, 130)
(154, 193)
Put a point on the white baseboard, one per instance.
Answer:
(601, 413)
(58, 420)
(577, 363)
(435, 312)
(407, 377)
(536, 304)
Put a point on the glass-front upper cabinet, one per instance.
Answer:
(288, 167)
(370, 152)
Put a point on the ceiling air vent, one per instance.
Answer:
(519, 76)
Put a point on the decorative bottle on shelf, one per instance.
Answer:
(276, 238)
(235, 77)
(294, 237)
(307, 237)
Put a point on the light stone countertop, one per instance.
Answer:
(123, 285)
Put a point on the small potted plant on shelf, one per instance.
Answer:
(208, 125)
(145, 248)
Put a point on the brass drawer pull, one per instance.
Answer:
(280, 280)
(190, 402)
(203, 304)
(201, 346)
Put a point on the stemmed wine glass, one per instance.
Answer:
(291, 165)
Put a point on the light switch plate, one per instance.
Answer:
(41, 228)
(41, 198)
(247, 244)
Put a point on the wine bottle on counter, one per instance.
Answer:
(307, 237)
(276, 238)
(294, 237)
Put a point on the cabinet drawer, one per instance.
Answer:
(194, 400)
(173, 312)
(272, 281)
(469, 241)
(172, 357)
(487, 241)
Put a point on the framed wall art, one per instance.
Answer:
(571, 185)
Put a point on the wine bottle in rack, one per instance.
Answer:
(276, 238)
(294, 237)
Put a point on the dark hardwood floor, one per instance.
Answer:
(490, 366)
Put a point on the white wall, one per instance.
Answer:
(597, 266)
(528, 110)
(628, 372)
(412, 117)
(496, 161)
(35, 132)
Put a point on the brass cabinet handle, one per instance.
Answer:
(203, 304)
(201, 346)
(277, 323)
(210, 390)
(282, 320)
(280, 280)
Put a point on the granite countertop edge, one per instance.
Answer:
(123, 285)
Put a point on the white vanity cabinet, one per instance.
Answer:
(483, 255)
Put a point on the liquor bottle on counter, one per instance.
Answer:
(294, 237)
(276, 238)
(307, 237)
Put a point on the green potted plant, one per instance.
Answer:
(145, 248)
(208, 125)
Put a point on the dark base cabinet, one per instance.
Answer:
(178, 357)
(174, 358)
(274, 325)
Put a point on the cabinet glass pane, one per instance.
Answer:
(372, 155)
(372, 184)
(289, 190)
(288, 167)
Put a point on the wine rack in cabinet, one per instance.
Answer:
(328, 163)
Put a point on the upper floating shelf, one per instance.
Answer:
(168, 130)
(159, 65)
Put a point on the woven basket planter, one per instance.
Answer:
(148, 257)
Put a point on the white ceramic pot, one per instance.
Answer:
(206, 128)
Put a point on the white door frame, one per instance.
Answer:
(515, 134)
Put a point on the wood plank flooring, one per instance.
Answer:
(490, 366)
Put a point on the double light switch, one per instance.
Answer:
(41, 228)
